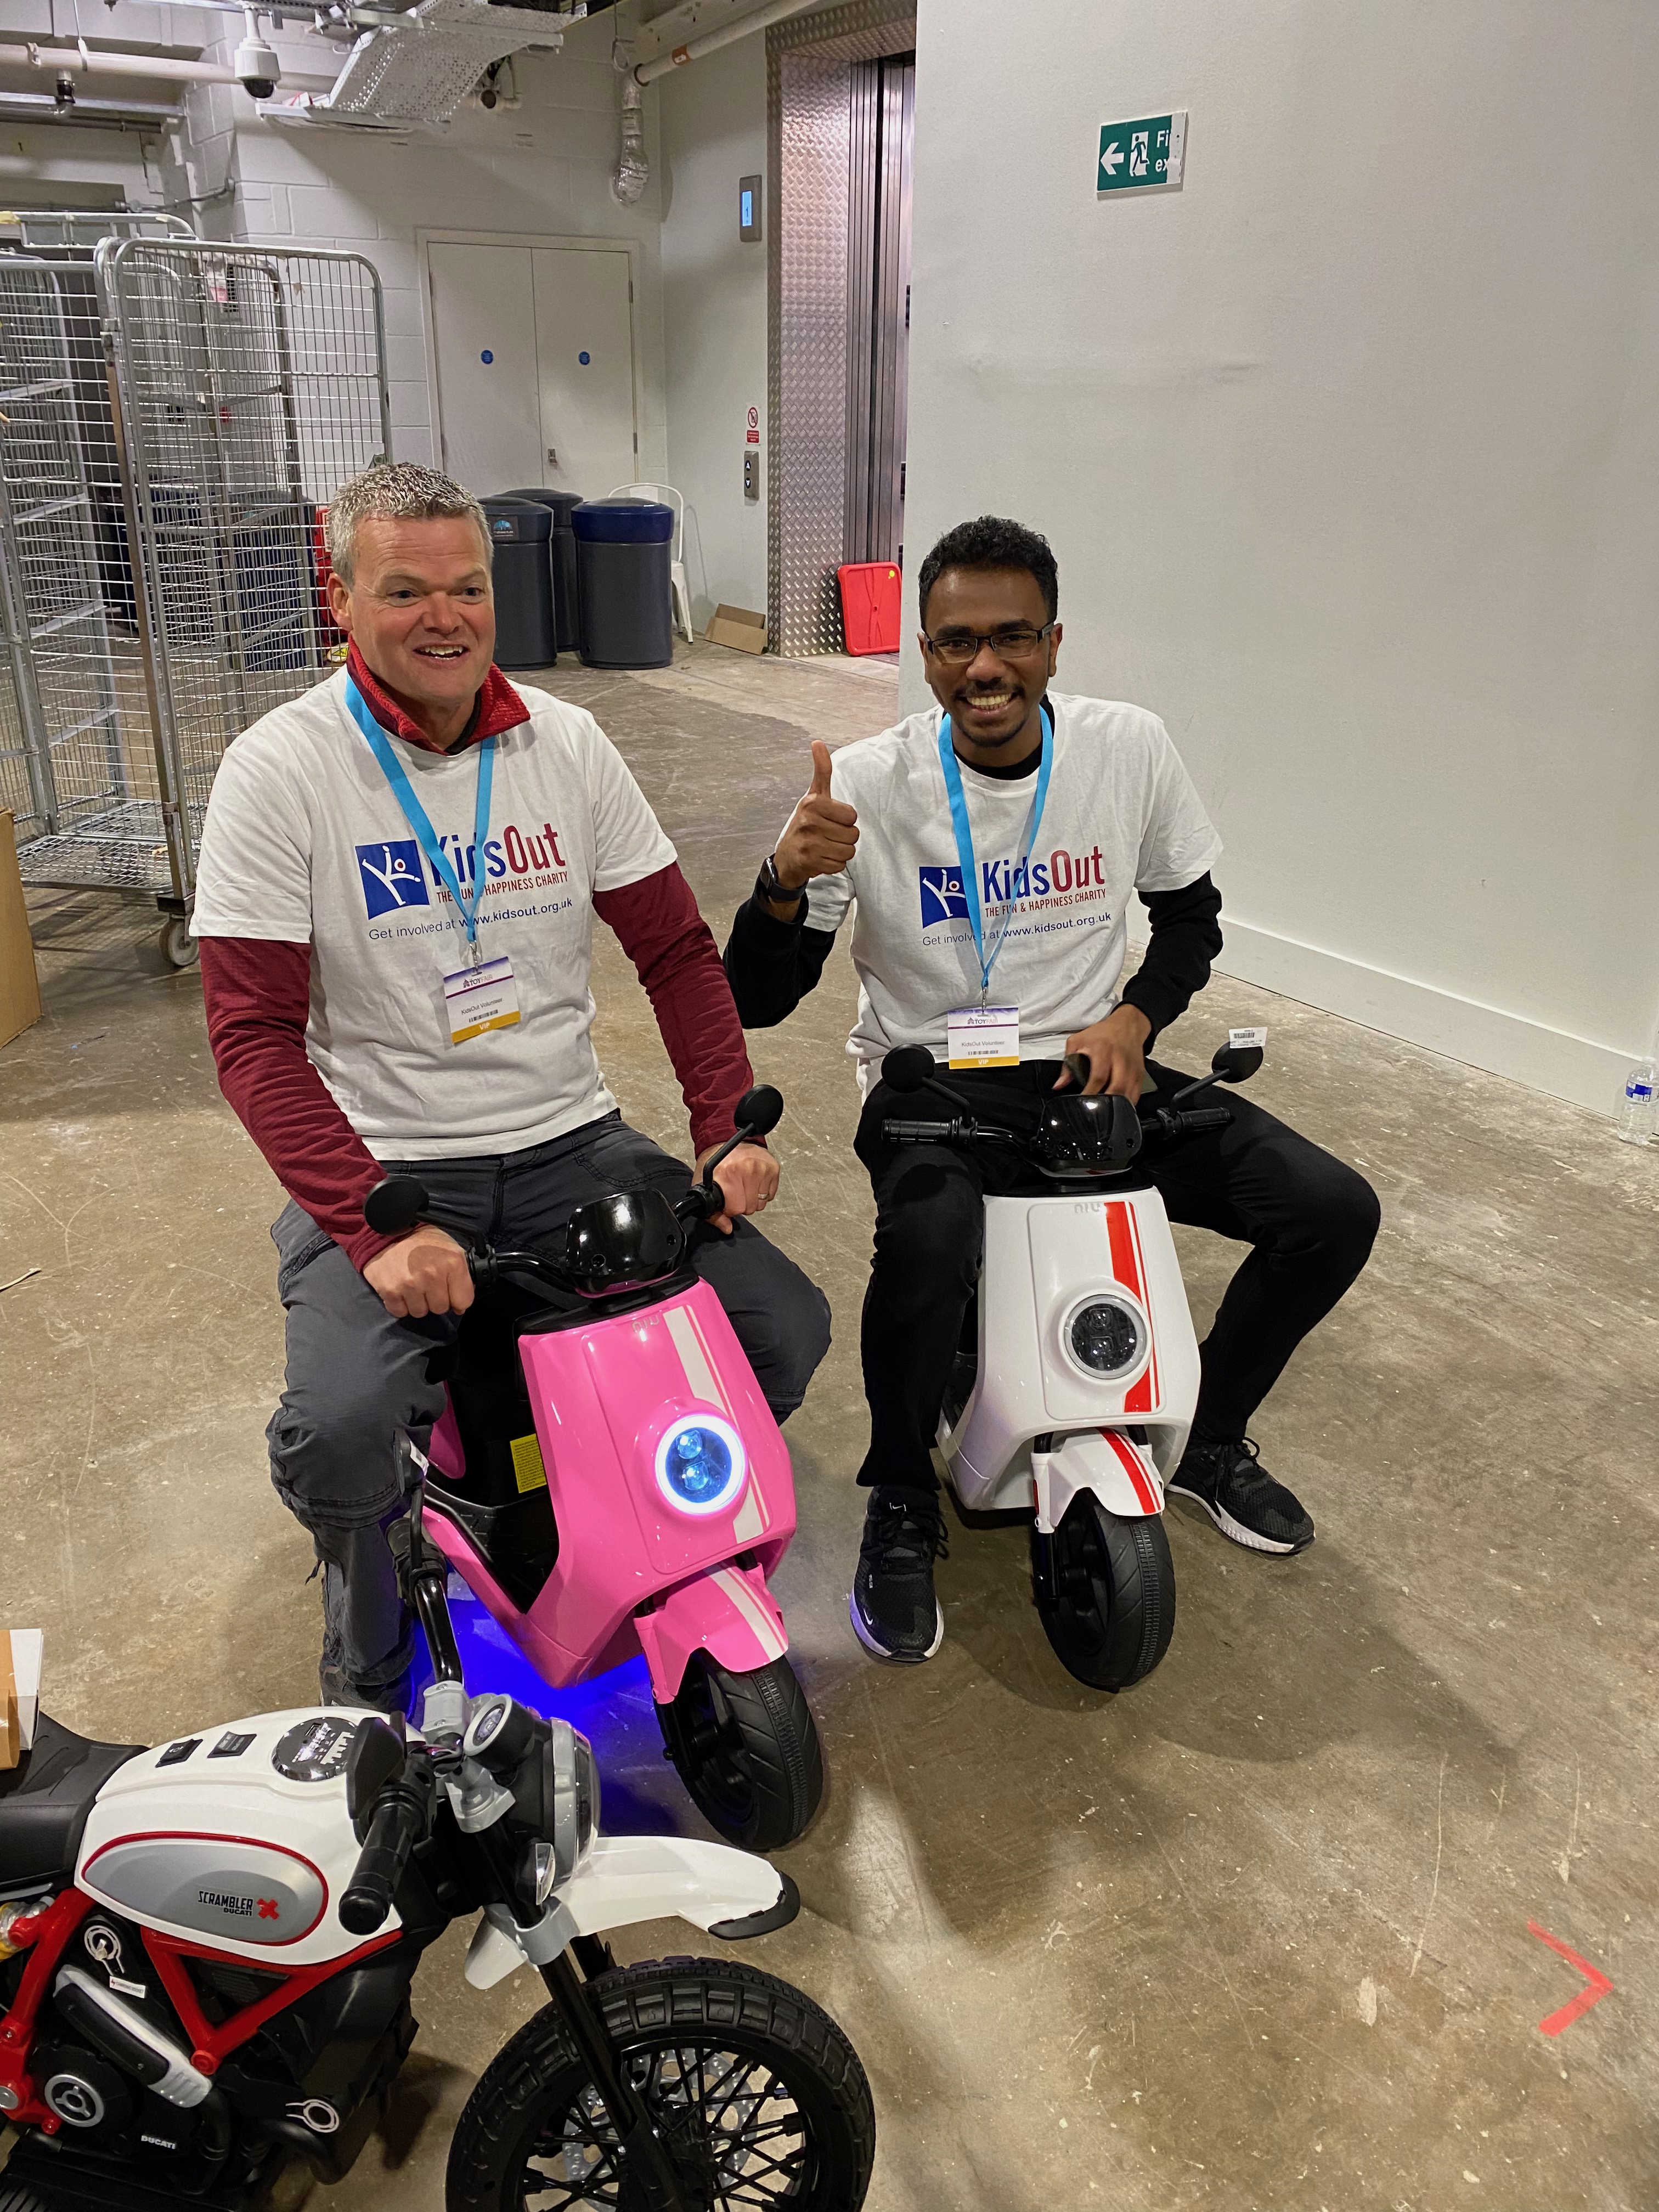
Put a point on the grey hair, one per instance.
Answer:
(394, 491)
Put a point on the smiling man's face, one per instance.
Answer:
(420, 610)
(993, 698)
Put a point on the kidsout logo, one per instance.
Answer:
(393, 875)
(1003, 884)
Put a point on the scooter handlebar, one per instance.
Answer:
(954, 1132)
(400, 1820)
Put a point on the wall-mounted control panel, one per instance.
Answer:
(751, 472)
(749, 209)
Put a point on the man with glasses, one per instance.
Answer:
(988, 852)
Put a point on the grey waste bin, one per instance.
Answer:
(521, 533)
(623, 547)
(567, 609)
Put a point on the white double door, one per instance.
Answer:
(534, 348)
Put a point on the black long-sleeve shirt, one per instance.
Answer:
(773, 964)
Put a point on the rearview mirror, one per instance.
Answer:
(759, 1110)
(395, 1205)
(907, 1067)
(1234, 1063)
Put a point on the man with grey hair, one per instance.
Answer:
(399, 873)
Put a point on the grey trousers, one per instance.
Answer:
(356, 1376)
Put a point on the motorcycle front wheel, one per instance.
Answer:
(1112, 1611)
(758, 2096)
(747, 1747)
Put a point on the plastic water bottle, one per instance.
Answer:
(1635, 1124)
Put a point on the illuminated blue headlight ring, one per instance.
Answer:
(701, 1466)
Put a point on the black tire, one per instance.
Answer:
(19, 2199)
(682, 2027)
(747, 1747)
(1113, 1613)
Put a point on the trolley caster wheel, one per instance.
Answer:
(178, 948)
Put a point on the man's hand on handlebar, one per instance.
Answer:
(424, 1273)
(748, 1178)
(1116, 1050)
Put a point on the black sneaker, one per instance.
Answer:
(894, 1611)
(1239, 1495)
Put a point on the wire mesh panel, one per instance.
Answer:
(77, 737)
(251, 383)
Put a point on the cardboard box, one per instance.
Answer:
(20, 981)
(20, 1651)
(739, 626)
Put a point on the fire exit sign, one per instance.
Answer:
(1139, 156)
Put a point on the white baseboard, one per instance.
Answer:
(1548, 1059)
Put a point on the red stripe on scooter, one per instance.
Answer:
(1119, 1228)
(1131, 1465)
(1144, 1395)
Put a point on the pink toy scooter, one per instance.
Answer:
(614, 1482)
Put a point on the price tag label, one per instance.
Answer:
(1244, 1040)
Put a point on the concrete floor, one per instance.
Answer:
(1255, 1934)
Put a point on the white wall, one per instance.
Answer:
(371, 194)
(1348, 452)
(713, 131)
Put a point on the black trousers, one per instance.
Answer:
(1308, 1219)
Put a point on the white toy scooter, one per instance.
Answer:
(1078, 1402)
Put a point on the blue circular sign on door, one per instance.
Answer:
(486, 356)
(584, 358)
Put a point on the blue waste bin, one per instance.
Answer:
(623, 549)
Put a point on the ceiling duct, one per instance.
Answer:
(414, 74)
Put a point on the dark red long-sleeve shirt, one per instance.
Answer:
(258, 997)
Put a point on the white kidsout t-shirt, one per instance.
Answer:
(305, 842)
(1121, 816)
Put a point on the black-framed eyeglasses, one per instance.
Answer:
(957, 647)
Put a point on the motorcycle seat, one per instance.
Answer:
(43, 1803)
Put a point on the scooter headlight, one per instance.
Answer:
(701, 1464)
(1107, 1337)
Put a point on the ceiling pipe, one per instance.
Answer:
(712, 41)
(42, 107)
(80, 58)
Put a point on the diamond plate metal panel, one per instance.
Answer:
(809, 87)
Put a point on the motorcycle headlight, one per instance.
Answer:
(701, 1464)
(576, 1802)
(1106, 1338)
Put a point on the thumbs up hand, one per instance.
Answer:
(822, 833)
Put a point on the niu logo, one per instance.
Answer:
(268, 1908)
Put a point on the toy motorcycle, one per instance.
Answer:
(609, 1480)
(1077, 1399)
(208, 1949)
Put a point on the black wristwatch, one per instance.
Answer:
(768, 888)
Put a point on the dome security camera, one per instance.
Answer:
(256, 64)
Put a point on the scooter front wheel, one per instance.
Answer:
(1110, 1602)
(747, 1747)
(757, 2097)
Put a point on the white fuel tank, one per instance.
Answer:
(1069, 1282)
(236, 1835)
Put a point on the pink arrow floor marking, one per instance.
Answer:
(1598, 1985)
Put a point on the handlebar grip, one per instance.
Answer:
(1206, 1117)
(923, 1133)
(397, 1826)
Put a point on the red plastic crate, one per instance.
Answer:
(870, 596)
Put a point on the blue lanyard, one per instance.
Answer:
(964, 828)
(415, 815)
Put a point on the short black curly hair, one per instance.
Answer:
(991, 541)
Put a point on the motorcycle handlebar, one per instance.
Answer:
(399, 1822)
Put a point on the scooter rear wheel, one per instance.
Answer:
(1113, 1611)
(747, 1747)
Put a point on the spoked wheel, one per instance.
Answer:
(747, 1749)
(1112, 1610)
(758, 2097)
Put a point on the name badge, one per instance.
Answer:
(480, 999)
(984, 1036)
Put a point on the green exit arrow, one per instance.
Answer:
(1146, 154)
